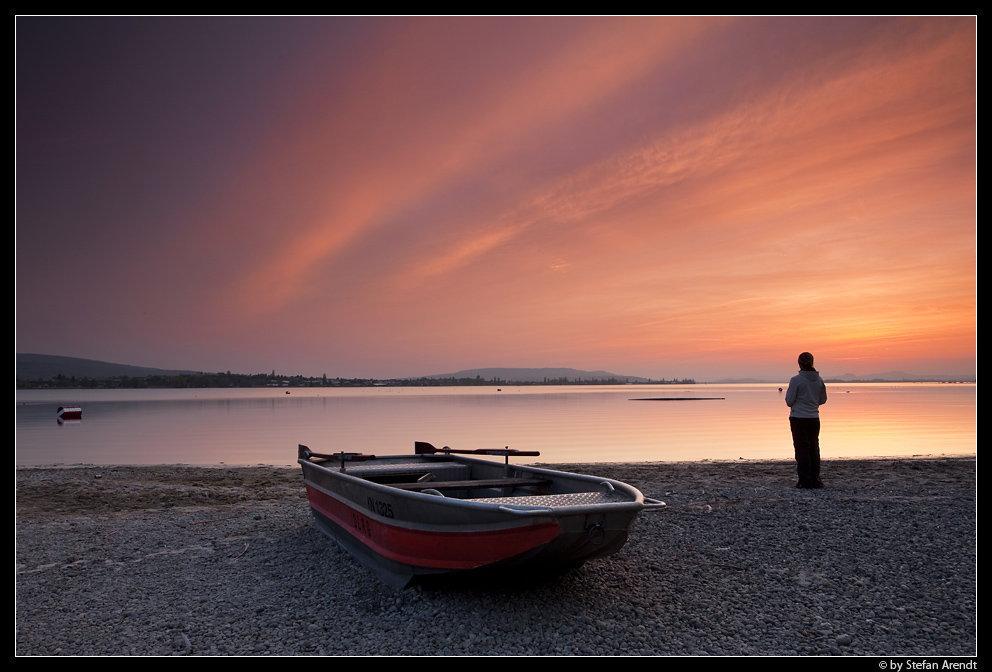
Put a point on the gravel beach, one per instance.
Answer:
(177, 560)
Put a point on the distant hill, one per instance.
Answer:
(886, 377)
(536, 375)
(46, 367)
(899, 377)
(889, 376)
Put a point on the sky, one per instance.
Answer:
(367, 197)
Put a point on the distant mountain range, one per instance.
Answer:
(898, 376)
(886, 377)
(46, 367)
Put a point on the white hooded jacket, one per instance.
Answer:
(806, 393)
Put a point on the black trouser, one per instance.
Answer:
(806, 440)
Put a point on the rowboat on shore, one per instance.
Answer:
(437, 512)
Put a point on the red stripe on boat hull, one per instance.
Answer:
(430, 549)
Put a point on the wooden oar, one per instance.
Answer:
(342, 457)
(424, 448)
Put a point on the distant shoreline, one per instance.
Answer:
(33, 385)
(37, 371)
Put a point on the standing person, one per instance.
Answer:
(805, 395)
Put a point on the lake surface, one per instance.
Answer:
(567, 424)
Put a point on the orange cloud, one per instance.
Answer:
(375, 150)
(833, 205)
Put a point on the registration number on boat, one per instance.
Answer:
(384, 509)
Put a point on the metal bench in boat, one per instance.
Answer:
(477, 484)
(443, 478)
(440, 477)
(400, 474)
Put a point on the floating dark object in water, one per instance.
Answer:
(73, 414)
(780, 389)
(677, 399)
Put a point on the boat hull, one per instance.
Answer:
(402, 534)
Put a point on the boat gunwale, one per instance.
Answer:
(637, 502)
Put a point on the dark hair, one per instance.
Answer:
(806, 361)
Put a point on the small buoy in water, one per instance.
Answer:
(69, 414)
(780, 389)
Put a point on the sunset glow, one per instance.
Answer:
(662, 197)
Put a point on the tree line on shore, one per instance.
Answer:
(238, 380)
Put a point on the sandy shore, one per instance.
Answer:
(183, 560)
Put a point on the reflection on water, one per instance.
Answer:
(567, 424)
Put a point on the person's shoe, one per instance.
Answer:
(818, 484)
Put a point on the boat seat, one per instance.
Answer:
(473, 485)
(563, 499)
(411, 473)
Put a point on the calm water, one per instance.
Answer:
(567, 424)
